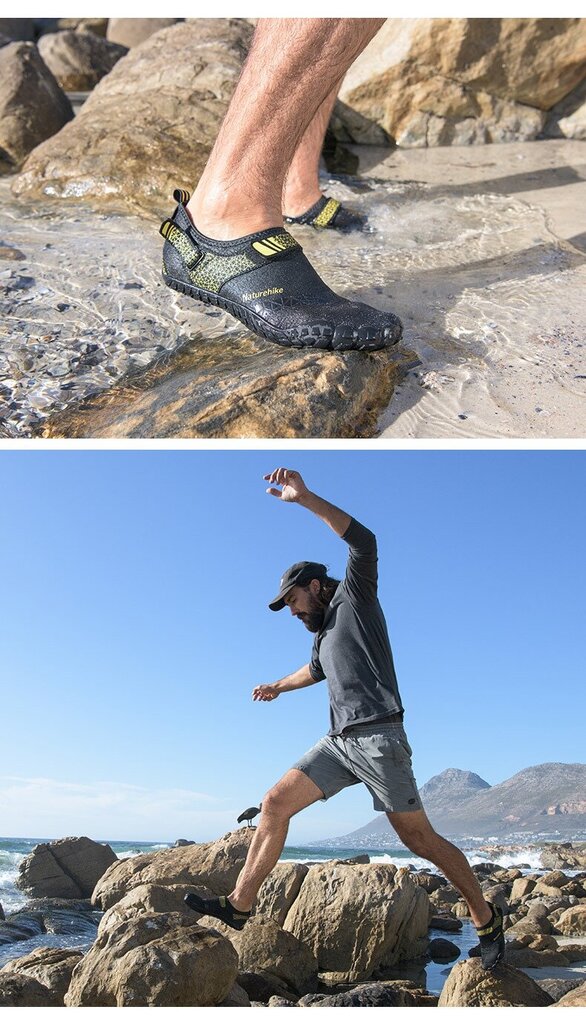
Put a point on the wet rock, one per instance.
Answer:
(264, 946)
(2, 916)
(49, 966)
(461, 81)
(105, 155)
(183, 842)
(359, 918)
(573, 921)
(17, 28)
(78, 60)
(225, 394)
(378, 993)
(280, 889)
(445, 923)
(469, 984)
(20, 990)
(215, 866)
(577, 997)
(155, 960)
(32, 105)
(19, 926)
(557, 987)
(133, 31)
(442, 950)
(68, 868)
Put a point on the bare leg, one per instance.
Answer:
(290, 795)
(415, 830)
(292, 68)
(302, 183)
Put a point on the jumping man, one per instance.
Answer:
(366, 741)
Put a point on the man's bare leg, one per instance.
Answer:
(301, 189)
(416, 831)
(290, 795)
(292, 68)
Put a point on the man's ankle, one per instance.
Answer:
(225, 221)
(239, 904)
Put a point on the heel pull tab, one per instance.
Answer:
(181, 195)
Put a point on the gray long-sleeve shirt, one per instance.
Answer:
(352, 649)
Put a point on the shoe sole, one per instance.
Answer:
(319, 340)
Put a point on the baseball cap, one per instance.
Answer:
(297, 576)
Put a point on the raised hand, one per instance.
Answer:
(290, 482)
(266, 692)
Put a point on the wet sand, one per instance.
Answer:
(480, 250)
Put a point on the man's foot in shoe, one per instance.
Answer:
(218, 907)
(266, 282)
(492, 939)
(329, 213)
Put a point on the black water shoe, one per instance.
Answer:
(492, 940)
(329, 213)
(220, 907)
(267, 283)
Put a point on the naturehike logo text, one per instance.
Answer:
(247, 296)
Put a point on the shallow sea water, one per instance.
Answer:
(491, 300)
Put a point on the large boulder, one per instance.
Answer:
(264, 947)
(33, 107)
(468, 984)
(68, 868)
(133, 31)
(456, 81)
(573, 921)
(215, 866)
(78, 60)
(150, 899)
(358, 918)
(280, 890)
(51, 966)
(155, 960)
(20, 990)
(136, 161)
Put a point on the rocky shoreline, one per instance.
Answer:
(331, 933)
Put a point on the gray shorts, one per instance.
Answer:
(379, 756)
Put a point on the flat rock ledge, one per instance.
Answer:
(250, 391)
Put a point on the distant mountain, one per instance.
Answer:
(545, 798)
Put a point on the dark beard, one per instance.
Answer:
(314, 618)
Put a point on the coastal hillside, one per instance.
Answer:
(543, 798)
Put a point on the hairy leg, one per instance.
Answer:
(292, 68)
(301, 189)
(415, 830)
(291, 794)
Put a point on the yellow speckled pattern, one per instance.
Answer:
(213, 271)
(190, 253)
(325, 215)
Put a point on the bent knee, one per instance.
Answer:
(275, 804)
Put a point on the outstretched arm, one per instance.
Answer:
(295, 681)
(361, 572)
(294, 489)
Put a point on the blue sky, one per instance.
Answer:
(134, 626)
